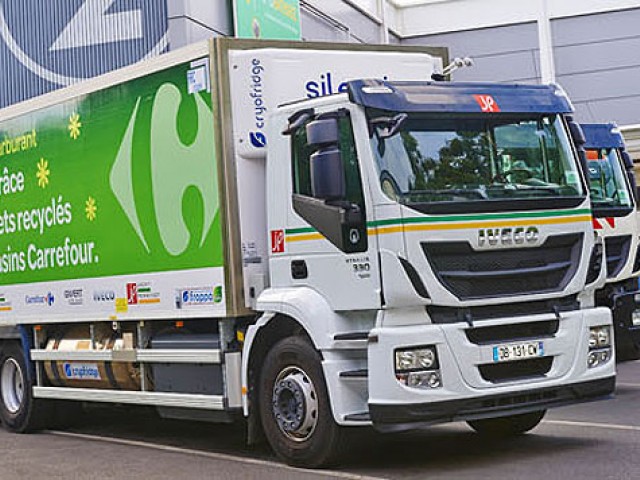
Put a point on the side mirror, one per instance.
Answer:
(576, 133)
(323, 132)
(626, 158)
(327, 168)
(327, 175)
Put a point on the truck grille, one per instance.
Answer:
(470, 274)
(519, 370)
(617, 252)
(511, 332)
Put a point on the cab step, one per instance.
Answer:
(351, 340)
(361, 373)
(358, 417)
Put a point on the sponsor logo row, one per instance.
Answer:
(136, 293)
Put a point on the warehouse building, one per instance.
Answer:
(588, 46)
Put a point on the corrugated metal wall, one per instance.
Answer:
(48, 44)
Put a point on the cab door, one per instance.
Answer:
(326, 242)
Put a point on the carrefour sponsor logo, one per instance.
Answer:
(74, 296)
(81, 371)
(187, 297)
(47, 300)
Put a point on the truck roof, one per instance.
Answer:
(459, 97)
(602, 135)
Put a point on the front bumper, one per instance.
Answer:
(623, 304)
(468, 391)
(393, 418)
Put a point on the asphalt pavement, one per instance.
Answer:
(598, 440)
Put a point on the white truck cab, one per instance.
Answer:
(615, 218)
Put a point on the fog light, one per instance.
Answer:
(599, 357)
(434, 380)
(429, 379)
(635, 317)
(593, 359)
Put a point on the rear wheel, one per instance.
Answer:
(19, 411)
(508, 426)
(294, 406)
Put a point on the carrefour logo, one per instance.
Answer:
(170, 183)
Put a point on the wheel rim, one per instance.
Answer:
(12, 383)
(295, 404)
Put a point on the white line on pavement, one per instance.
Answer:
(628, 385)
(212, 455)
(608, 426)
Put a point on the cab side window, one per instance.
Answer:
(302, 163)
(349, 238)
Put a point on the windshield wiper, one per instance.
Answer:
(464, 192)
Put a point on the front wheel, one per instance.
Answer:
(19, 411)
(294, 406)
(508, 426)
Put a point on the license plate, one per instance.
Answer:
(518, 351)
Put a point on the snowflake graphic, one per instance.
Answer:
(74, 126)
(91, 209)
(43, 173)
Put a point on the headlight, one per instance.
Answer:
(418, 367)
(423, 358)
(599, 337)
(600, 351)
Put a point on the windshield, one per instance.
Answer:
(607, 184)
(436, 161)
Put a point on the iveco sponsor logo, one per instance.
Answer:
(104, 296)
(508, 236)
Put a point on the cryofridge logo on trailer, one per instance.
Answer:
(81, 371)
(46, 300)
(108, 296)
(5, 305)
(74, 296)
(198, 296)
(142, 294)
(257, 138)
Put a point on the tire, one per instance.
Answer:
(508, 426)
(294, 406)
(19, 411)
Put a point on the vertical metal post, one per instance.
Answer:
(547, 64)
(140, 341)
(38, 365)
(384, 27)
